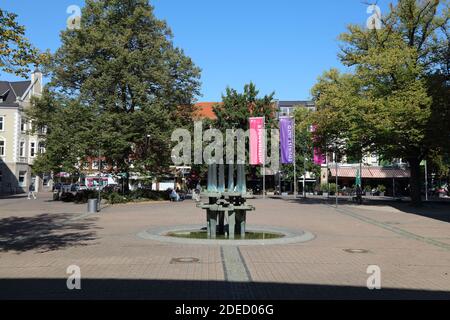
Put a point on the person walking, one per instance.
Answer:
(32, 192)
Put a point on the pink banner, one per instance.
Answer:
(319, 157)
(256, 141)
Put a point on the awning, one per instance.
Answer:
(372, 172)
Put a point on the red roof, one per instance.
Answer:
(205, 110)
(372, 172)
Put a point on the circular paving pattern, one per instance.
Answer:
(161, 234)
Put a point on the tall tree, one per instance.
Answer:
(236, 108)
(387, 104)
(122, 63)
(16, 52)
(69, 129)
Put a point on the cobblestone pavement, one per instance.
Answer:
(40, 239)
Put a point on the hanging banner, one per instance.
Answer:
(319, 157)
(257, 141)
(287, 140)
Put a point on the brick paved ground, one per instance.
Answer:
(40, 239)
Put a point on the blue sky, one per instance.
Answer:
(281, 46)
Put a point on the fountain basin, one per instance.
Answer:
(182, 235)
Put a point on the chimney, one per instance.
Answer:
(36, 82)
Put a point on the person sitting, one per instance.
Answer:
(181, 195)
(174, 196)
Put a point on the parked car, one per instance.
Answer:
(75, 187)
(59, 186)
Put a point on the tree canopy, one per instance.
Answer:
(16, 52)
(236, 108)
(395, 99)
(122, 66)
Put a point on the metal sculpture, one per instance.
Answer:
(226, 207)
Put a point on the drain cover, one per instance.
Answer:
(356, 250)
(184, 260)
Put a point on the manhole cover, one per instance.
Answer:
(184, 260)
(356, 250)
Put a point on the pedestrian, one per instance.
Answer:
(174, 196)
(32, 192)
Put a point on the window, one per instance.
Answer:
(32, 149)
(41, 148)
(95, 164)
(22, 178)
(42, 130)
(285, 111)
(2, 123)
(2, 148)
(23, 125)
(22, 149)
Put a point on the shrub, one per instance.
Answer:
(333, 188)
(115, 198)
(381, 188)
(85, 195)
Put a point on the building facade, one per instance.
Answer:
(18, 148)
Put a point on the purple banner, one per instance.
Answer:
(287, 140)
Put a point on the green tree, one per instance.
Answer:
(122, 63)
(387, 104)
(69, 128)
(16, 52)
(234, 113)
(236, 108)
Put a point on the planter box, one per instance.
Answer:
(368, 194)
(382, 194)
(325, 194)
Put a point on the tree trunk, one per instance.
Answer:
(415, 181)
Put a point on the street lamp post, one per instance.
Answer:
(99, 180)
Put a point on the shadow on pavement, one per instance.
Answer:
(198, 290)
(433, 210)
(44, 232)
(20, 196)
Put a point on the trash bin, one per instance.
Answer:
(92, 205)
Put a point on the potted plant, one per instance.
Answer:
(317, 190)
(368, 191)
(332, 190)
(324, 189)
(382, 190)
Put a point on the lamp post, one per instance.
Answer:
(99, 180)
(426, 180)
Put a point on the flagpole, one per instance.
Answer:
(426, 180)
(264, 158)
(295, 160)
